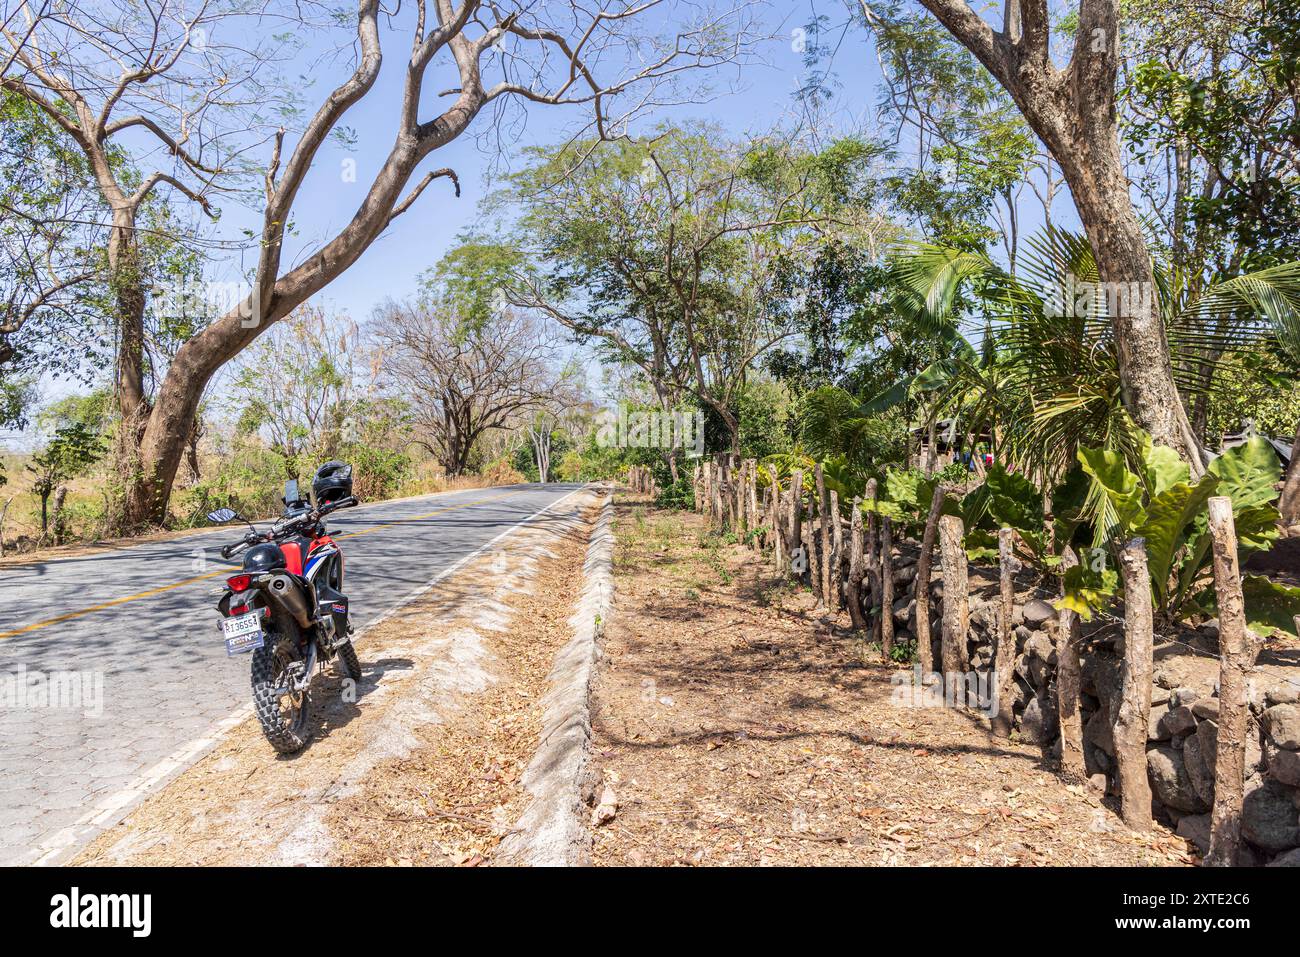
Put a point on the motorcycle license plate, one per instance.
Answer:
(243, 633)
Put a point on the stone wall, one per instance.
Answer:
(1183, 726)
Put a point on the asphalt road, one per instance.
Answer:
(140, 625)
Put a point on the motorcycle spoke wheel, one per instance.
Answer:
(283, 716)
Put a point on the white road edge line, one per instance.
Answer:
(63, 844)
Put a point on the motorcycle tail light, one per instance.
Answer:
(239, 582)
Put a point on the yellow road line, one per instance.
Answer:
(226, 571)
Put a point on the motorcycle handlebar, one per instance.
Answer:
(316, 515)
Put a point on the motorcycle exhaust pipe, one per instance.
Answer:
(285, 593)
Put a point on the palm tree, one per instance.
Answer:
(1046, 381)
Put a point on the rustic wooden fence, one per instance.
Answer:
(845, 554)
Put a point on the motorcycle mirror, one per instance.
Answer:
(223, 515)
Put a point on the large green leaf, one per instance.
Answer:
(1256, 528)
(974, 506)
(1014, 500)
(1248, 473)
(1164, 469)
(1121, 486)
(1270, 606)
(1088, 589)
(1169, 515)
(981, 545)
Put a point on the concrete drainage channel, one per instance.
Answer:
(552, 831)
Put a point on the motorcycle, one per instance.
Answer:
(287, 606)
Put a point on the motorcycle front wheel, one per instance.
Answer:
(283, 716)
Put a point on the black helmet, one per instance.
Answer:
(264, 558)
(333, 481)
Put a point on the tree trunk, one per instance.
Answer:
(956, 606)
(1068, 677)
(1237, 648)
(1100, 189)
(192, 450)
(1132, 718)
(4, 512)
(56, 515)
(127, 283)
(923, 564)
(1072, 110)
(1005, 651)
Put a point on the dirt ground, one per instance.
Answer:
(733, 726)
(423, 766)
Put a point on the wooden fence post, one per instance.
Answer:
(837, 554)
(1069, 635)
(740, 505)
(854, 588)
(719, 492)
(1004, 654)
(824, 542)
(886, 587)
(755, 516)
(796, 521)
(810, 542)
(922, 589)
(873, 562)
(956, 608)
(776, 521)
(1132, 718)
(1237, 650)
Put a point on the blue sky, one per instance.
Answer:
(747, 100)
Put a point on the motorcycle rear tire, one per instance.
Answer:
(286, 733)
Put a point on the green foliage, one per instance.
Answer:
(70, 452)
(1045, 382)
(1260, 387)
(472, 279)
(766, 418)
(679, 494)
(1270, 606)
(1218, 84)
(833, 423)
(904, 497)
(1161, 504)
(1010, 500)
